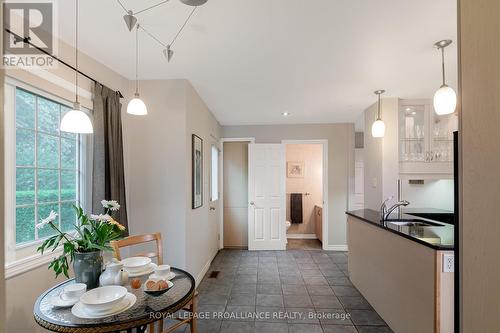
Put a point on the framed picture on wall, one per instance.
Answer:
(197, 172)
(295, 169)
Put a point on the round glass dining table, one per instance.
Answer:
(146, 310)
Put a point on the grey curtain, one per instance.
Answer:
(108, 181)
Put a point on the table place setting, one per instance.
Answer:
(103, 302)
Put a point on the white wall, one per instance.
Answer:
(155, 166)
(158, 173)
(202, 223)
(340, 164)
(312, 183)
(381, 155)
(432, 194)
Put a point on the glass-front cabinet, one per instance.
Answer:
(425, 139)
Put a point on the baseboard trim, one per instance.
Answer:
(301, 236)
(335, 247)
(205, 268)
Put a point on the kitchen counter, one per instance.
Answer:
(401, 270)
(436, 237)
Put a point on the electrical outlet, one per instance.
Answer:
(448, 263)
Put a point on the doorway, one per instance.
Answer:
(233, 229)
(304, 195)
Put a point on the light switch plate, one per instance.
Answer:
(448, 263)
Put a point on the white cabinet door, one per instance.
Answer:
(266, 195)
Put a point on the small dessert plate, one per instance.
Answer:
(168, 276)
(79, 310)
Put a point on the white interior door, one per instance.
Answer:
(266, 195)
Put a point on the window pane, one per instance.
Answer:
(68, 216)
(43, 212)
(48, 185)
(64, 110)
(68, 154)
(25, 186)
(48, 116)
(214, 178)
(25, 224)
(25, 109)
(68, 185)
(25, 147)
(48, 151)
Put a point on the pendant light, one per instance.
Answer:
(445, 99)
(193, 2)
(136, 106)
(76, 121)
(378, 127)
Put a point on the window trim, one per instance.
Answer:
(15, 265)
(214, 147)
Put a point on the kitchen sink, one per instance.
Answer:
(413, 223)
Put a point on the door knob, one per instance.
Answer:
(252, 203)
(212, 208)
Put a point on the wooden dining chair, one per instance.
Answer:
(140, 239)
(156, 237)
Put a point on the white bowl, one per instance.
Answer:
(136, 264)
(103, 298)
(73, 291)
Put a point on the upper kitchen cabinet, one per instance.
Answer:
(425, 140)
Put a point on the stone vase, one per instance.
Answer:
(88, 267)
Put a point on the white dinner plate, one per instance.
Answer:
(150, 269)
(168, 277)
(58, 302)
(79, 310)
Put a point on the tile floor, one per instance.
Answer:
(295, 291)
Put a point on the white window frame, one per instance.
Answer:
(214, 174)
(23, 257)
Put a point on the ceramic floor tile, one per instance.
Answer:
(270, 300)
(269, 289)
(304, 328)
(266, 327)
(237, 327)
(339, 329)
(366, 317)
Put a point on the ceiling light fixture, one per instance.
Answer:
(130, 20)
(285, 114)
(76, 121)
(136, 106)
(378, 127)
(168, 53)
(193, 2)
(445, 98)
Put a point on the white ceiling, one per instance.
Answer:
(250, 60)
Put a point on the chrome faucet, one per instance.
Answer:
(385, 212)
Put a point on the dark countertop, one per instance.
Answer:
(436, 237)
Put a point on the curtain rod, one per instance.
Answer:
(26, 40)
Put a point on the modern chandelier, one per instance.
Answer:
(136, 106)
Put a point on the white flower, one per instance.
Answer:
(51, 218)
(110, 204)
(100, 217)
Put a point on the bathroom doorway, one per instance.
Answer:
(306, 191)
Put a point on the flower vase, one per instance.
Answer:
(88, 267)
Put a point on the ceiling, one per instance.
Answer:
(251, 60)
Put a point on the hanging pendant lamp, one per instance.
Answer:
(76, 121)
(445, 99)
(136, 106)
(378, 126)
(193, 2)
